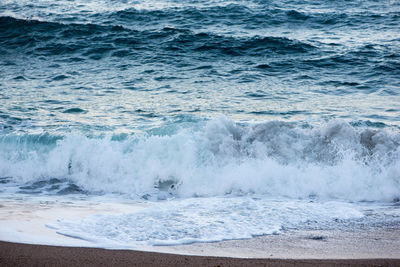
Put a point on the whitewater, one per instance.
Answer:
(210, 182)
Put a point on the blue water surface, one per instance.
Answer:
(130, 66)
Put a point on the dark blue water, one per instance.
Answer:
(127, 66)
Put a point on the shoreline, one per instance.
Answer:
(16, 254)
(24, 224)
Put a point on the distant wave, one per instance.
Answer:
(79, 42)
(335, 161)
(89, 40)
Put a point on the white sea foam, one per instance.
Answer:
(276, 159)
(202, 220)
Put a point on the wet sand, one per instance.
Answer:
(14, 254)
(26, 223)
(375, 243)
(23, 222)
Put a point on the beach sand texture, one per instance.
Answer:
(12, 254)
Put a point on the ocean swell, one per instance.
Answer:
(96, 41)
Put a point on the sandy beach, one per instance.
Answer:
(26, 223)
(13, 254)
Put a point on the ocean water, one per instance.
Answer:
(227, 119)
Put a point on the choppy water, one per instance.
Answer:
(200, 101)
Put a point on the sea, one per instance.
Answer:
(219, 119)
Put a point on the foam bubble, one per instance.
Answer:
(202, 220)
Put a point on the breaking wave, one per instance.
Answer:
(219, 157)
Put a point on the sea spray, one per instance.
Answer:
(217, 158)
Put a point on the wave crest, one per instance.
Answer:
(334, 161)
